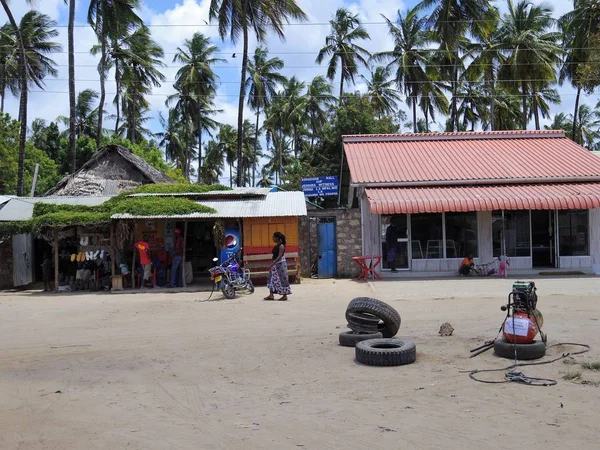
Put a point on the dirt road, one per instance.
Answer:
(150, 371)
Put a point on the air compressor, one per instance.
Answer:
(523, 320)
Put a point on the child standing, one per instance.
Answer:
(503, 260)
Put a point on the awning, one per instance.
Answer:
(484, 198)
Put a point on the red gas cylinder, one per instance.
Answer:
(522, 328)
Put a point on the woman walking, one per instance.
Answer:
(278, 281)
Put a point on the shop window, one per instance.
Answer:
(517, 233)
(461, 234)
(427, 236)
(573, 233)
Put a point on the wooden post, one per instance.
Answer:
(135, 250)
(55, 260)
(112, 250)
(185, 226)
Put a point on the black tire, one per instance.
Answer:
(390, 317)
(363, 318)
(525, 352)
(351, 338)
(386, 352)
(250, 287)
(228, 291)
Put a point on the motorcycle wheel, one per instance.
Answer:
(228, 291)
(250, 286)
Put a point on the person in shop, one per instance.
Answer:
(176, 278)
(145, 260)
(278, 280)
(391, 240)
(466, 266)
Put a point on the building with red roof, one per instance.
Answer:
(533, 196)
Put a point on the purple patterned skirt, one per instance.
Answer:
(278, 280)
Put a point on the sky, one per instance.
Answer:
(173, 21)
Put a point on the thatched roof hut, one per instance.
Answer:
(112, 170)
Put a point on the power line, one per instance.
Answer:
(541, 80)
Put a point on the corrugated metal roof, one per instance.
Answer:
(274, 204)
(463, 157)
(21, 208)
(4, 199)
(244, 191)
(484, 198)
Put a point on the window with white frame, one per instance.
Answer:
(461, 234)
(517, 233)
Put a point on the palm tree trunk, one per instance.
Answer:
(524, 95)
(454, 92)
(255, 145)
(117, 97)
(199, 154)
(492, 99)
(414, 111)
(341, 87)
(575, 115)
(240, 130)
(2, 94)
(72, 110)
(102, 83)
(536, 112)
(23, 99)
(427, 120)
(231, 174)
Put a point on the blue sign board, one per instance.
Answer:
(320, 186)
(232, 243)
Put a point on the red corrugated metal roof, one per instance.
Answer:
(484, 198)
(468, 157)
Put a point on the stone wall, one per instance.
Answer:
(6, 264)
(348, 236)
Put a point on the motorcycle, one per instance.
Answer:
(230, 277)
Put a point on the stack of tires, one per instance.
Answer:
(373, 325)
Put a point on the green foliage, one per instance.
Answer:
(47, 215)
(48, 174)
(178, 188)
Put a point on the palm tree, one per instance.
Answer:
(252, 153)
(33, 41)
(227, 139)
(293, 110)
(9, 64)
(451, 21)
(140, 73)
(265, 179)
(261, 84)
(213, 163)
(408, 57)
(532, 52)
(86, 114)
(588, 131)
(432, 98)
(72, 101)
(345, 30)
(578, 27)
(317, 99)
(541, 100)
(197, 79)
(236, 17)
(384, 97)
(110, 20)
(23, 88)
(561, 121)
(170, 139)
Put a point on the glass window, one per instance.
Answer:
(427, 236)
(461, 234)
(401, 254)
(573, 233)
(517, 233)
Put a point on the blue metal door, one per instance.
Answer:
(327, 248)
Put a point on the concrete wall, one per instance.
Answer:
(349, 241)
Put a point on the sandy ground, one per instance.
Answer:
(159, 371)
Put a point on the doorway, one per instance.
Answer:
(402, 256)
(327, 265)
(543, 245)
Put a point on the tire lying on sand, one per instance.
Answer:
(524, 352)
(386, 352)
(351, 338)
(390, 317)
(363, 322)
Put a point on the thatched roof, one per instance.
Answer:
(112, 170)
